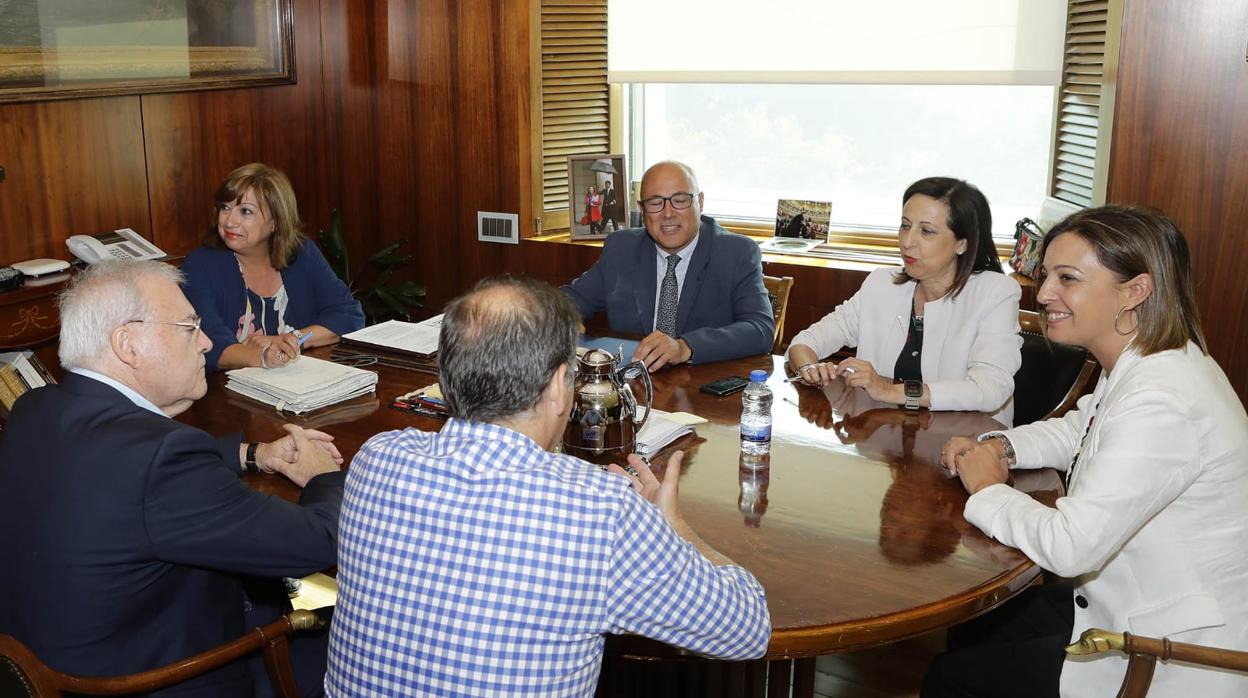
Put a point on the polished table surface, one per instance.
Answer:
(853, 529)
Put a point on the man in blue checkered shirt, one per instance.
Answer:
(475, 562)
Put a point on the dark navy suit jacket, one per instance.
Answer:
(125, 535)
(724, 310)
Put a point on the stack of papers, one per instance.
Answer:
(419, 338)
(407, 345)
(662, 428)
(302, 385)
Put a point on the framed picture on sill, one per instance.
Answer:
(805, 220)
(56, 49)
(597, 196)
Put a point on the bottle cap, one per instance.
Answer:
(758, 376)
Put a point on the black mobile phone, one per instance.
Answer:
(725, 386)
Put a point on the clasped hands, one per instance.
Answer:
(978, 463)
(300, 455)
(275, 350)
(857, 373)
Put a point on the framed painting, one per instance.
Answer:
(597, 196)
(56, 49)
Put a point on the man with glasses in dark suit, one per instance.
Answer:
(129, 535)
(694, 290)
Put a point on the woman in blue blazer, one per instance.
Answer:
(264, 291)
(942, 331)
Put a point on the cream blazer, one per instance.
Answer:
(1155, 525)
(971, 344)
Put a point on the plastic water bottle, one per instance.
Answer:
(756, 415)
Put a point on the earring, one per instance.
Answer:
(1133, 328)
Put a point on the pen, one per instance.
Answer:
(304, 337)
(795, 379)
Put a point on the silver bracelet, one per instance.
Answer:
(806, 365)
(263, 363)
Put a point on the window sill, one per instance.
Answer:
(855, 257)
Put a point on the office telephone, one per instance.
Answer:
(120, 244)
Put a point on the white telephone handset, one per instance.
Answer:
(120, 244)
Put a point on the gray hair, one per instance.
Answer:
(100, 299)
(501, 343)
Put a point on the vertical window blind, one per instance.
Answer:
(574, 94)
(1080, 103)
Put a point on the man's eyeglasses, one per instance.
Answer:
(680, 201)
(191, 325)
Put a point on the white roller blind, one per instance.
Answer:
(994, 42)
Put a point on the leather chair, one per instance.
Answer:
(1052, 376)
(22, 675)
(778, 288)
(1143, 653)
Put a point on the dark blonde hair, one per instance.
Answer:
(1130, 241)
(276, 199)
(970, 219)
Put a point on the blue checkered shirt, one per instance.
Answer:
(471, 562)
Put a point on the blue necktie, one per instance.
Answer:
(669, 299)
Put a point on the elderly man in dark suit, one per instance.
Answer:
(126, 533)
(693, 289)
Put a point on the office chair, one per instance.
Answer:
(1052, 376)
(1143, 653)
(778, 288)
(22, 675)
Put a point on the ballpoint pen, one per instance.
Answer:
(304, 337)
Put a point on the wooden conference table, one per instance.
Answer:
(852, 528)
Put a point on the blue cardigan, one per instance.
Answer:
(215, 286)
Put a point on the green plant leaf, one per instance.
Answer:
(335, 248)
(395, 304)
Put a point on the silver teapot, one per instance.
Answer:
(604, 418)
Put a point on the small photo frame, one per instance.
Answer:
(806, 220)
(597, 196)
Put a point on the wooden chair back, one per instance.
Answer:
(1143, 653)
(1052, 376)
(778, 288)
(23, 675)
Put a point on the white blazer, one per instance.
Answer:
(1155, 524)
(971, 344)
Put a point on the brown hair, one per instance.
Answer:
(970, 219)
(1130, 241)
(277, 200)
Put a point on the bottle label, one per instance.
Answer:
(757, 433)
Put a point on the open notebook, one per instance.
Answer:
(663, 428)
(302, 385)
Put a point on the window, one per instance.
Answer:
(858, 146)
(1020, 113)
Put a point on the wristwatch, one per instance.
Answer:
(914, 391)
(1007, 448)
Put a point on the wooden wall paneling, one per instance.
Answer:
(195, 139)
(71, 167)
(1180, 129)
(491, 128)
(438, 189)
(371, 121)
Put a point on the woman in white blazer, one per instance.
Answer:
(942, 331)
(1152, 530)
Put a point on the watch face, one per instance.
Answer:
(913, 389)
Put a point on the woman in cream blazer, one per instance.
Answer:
(1153, 527)
(966, 312)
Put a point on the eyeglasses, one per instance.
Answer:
(191, 325)
(680, 201)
